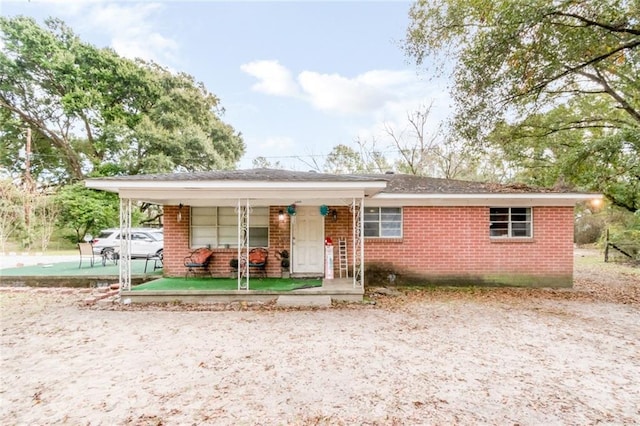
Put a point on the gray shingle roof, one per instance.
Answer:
(396, 183)
(410, 184)
(270, 175)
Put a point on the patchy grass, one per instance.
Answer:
(594, 280)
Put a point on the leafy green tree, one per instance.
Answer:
(11, 211)
(520, 68)
(87, 211)
(366, 159)
(550, 151)
(94, 113)
(344, 160)
(263, 163)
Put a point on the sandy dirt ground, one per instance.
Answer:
(467, 356)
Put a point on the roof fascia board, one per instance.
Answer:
(233, 185)
(504, 200)
(491, 195)
(213, 194)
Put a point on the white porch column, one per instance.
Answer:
(243, 244)
(125, 245)
(357, 211)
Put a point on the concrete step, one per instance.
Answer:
(321, 300)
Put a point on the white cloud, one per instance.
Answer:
(332, 92)
(274, 79)
(371, 92)
(131, 29)
(277, 143)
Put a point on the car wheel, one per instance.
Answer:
(108, 254)
(159, 253)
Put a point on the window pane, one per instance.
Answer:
(371, 215)
(390, 210)
(203, 242)
(391, 217)
(228, 235)
(499, 214)
(391, 225)
(370, 229)
(499, 229)
(227, 220)
(203, 236)
(391, 232)
(510, 222)
(521, 229)
(203, 220)
(258, 237)
(203, 216)
(520, 215)
(218, 227)
(383, 222)
(259, 217)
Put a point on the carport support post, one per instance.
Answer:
(125, 245)
(243, 244)
(357, 211)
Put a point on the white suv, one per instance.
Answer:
(144, 242)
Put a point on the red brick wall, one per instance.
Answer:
(177, 247)
(176, 240)
(454, 242)
(437, 242)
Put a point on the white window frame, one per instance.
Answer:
(217, 227)
(510, 223)
(379, 221)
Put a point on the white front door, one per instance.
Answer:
(308, 241)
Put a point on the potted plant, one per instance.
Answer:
(284, 262)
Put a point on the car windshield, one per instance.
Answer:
(158, 236)
(104, 234)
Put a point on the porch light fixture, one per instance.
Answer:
(179, 216)
(281, 215)
(334, 215)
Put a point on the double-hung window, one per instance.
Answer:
(383, 222)
(218, 227)
(510, 222)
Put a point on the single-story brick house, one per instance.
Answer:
(411, 228)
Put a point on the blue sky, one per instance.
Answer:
(296, 78)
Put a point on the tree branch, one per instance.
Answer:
(592, 23)
(598, 78)
(575, 69)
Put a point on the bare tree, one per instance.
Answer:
(46, 212)
(415, 143)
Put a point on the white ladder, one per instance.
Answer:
(342, 253)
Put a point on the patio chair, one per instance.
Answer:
(156, 258)
(258, 260)
(86, 251)
(198, 261)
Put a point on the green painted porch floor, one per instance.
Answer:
(226, 284)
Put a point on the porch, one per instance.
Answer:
(213, 290)
(233, 212)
